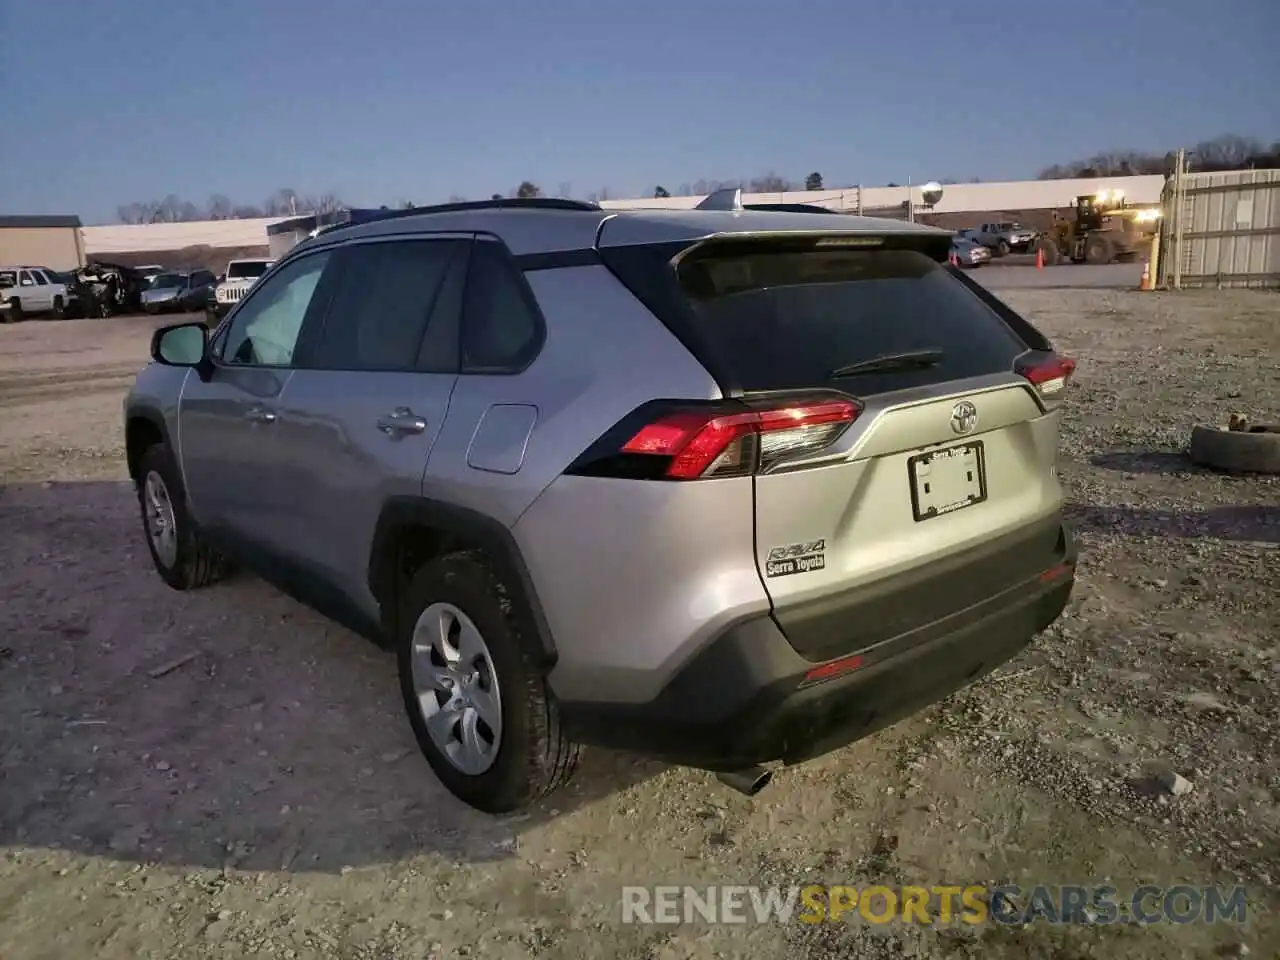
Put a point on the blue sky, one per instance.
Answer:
(387, 99)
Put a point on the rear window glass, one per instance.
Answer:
(8, 278)
(786, 319)
(242, 269)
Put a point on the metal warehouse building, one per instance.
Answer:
(54, 242)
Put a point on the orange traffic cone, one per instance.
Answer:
(1145, 282)
(1039, 258)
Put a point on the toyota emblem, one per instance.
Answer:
(964, 417)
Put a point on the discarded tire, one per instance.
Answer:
(1255, 449)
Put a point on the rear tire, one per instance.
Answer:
(182, 557)
(15, 310)
(1098, 251)
(530, 755)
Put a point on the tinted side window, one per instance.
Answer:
(389, 305)
(264, 331)
(41, 279)
(502, 330)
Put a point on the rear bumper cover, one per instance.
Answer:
(744, 698)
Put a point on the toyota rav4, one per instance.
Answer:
(724, 487)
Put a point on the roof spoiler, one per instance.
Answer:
(730, 198)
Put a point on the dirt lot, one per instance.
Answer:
(265, 797)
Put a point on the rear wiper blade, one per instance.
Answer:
(907, 360)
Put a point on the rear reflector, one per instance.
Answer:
(725, 440)
(836, 668)
(1055, 573)
(1049, 373)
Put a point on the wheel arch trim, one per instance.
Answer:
(490, 535)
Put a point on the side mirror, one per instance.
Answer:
(181, 345)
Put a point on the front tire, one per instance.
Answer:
(476, 700)
(59, 309)
(182, 557)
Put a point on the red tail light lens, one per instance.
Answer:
(716, 443)
(1049, 373)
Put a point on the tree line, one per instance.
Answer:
(1228, 152)
(285, 202)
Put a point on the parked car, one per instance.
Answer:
(240, 276)
(106, 289)
(614, 478)
(164, 292)
(969, 253)
(30, 291)
(149, 271)
(1004, 237)
(198, 291)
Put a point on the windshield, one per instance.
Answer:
(8, 278)
(167, 280)
(246, 269)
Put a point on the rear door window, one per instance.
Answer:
(502, 329)
(780, 318)
(396, 308)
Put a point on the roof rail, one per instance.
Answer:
(730, 198)
(502, 203)
(790, 207)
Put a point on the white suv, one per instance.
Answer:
(240, 276)
(28, 290)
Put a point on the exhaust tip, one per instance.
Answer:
(748, 782)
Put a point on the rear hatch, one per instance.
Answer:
(902, 431)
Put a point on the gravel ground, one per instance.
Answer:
(264, 797)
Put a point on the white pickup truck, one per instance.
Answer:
(235, 283)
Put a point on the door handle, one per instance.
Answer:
(402, 420)
(259, 415)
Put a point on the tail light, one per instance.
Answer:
(712, 442)
(1048, 372)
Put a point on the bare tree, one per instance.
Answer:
(769, 183)
(528, 190)
(813, 182)
(566, 190)
(220, 208)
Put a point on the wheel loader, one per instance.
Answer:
(1103, 228)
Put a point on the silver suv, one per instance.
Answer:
(722, 487)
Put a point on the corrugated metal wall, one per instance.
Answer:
(1222, 230)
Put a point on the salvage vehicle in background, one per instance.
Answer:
(1004, 237)
(969, 253)
(161, 296)
(27, 291)
(197, 293)
(106, 289)
(241, 275)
